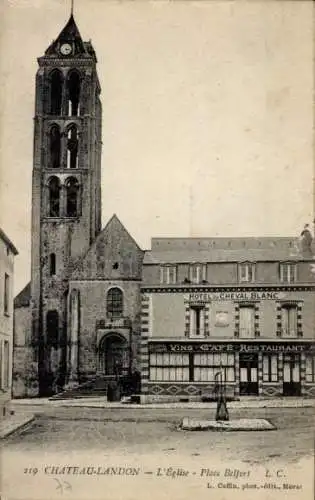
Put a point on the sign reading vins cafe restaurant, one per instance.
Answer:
(226, 347)
(244, 295)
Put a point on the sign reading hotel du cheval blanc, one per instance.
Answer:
(244, 295)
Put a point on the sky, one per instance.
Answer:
(207, 114)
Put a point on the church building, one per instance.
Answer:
(165, 321)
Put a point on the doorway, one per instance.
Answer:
(114, 355)
(291, 375)
(248, 374)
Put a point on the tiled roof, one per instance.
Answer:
(24, 297)
(8, 242)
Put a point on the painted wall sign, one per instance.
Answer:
(246, 295)
(240, 347)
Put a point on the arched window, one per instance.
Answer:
(52, 328)
(56, 81)
(54, 197)
(72, 147)
(115, 302)
(52, 264)
(73, 94)
(72, 197)
(54, 147)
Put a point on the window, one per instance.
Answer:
(289, 320)
(6, 365)
(197, 273)
(52, 264)
(52, 328)
(270, 367)
(73, 93)
(168, 274)
(56, 82)
(247, 325)
(72, 197)
(208, 365)
(54, 197)
(287, 272)
(54, 147)
(197, 321)
(310, 368)
(169, 367)
(115, 303)
(6, 293)
(72, 147)
(246, 272)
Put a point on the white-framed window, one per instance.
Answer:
(207, 367)
(169, 367)
(310, 368)
(197, 321)
(246, 272)
(270, 367)
(168, 274)
(247, 321)
(197, 273)
(289, 320)
(288, 272)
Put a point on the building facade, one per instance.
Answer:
(240, 307)
(7, 254)
(98, 307)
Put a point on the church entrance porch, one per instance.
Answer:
(113, 355)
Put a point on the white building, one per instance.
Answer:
(7, 254)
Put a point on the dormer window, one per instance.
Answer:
(246, 272)
(288, 272)
(168, 274)
(197, 273)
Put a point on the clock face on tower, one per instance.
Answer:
(65, 49)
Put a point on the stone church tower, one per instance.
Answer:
(66, 192)
(77, 322)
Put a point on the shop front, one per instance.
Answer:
(189, 369)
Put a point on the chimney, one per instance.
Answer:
(306, 242)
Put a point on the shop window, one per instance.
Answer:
(197, 321)
(52, 264)
(247, 321)
(54, 147)
(56, 83)
(168, 274)
(52, 328)
(270, 367)
(72, 197)
(207, 367)
(72, 147)
(197, 273)
(246, 272)
(6, 298)
(54, 197)
(288, 272)
(289, 320)
(169, 367)
(310, 368)
(73, 93)
(115, 302)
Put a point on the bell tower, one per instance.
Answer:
(66, 192)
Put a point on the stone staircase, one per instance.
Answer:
(93, 388)
(99, 386)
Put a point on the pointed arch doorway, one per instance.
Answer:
(113, 355)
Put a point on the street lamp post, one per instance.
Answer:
(222, 413)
